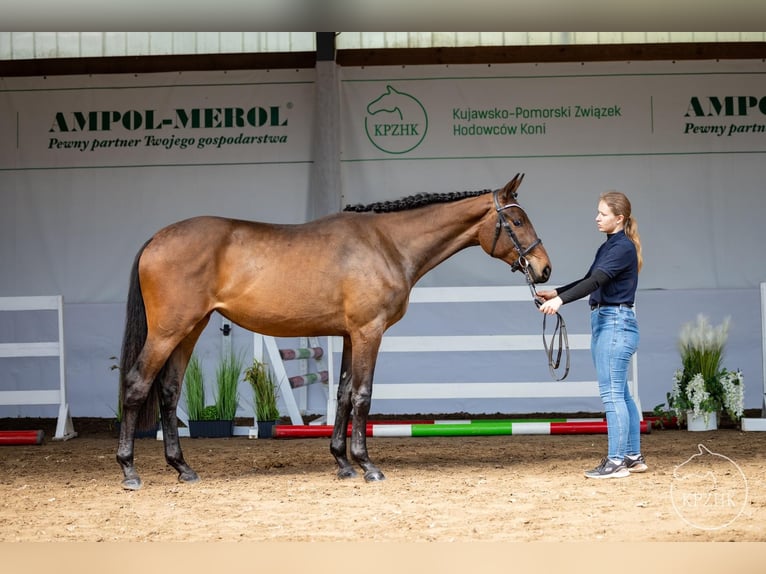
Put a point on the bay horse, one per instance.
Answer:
(348, 274)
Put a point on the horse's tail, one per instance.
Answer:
(132, 343)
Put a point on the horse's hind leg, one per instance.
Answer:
(131, 480)
(170, 392)
(342, 413)
(137, 384)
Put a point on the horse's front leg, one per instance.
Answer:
(342, 413)
(363, 366)
(361, 409)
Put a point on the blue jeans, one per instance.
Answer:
(614, 340)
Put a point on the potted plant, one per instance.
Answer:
(227, 379)
(702, 388)
(216, 420)
(194, 389)
(265, 396)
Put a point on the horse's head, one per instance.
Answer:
(508, 234)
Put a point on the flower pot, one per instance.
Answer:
(266, 429)
(703, 422)
(211, 429)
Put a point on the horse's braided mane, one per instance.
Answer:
(415, 201)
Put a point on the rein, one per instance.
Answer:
(559, 338)
(560, 333)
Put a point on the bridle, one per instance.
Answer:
(502, 223)
(521, 263)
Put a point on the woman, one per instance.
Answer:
(611, 283)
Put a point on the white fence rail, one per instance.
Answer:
(64, 428)
(384, 390)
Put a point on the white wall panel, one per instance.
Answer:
(23, 45)
(72, 226)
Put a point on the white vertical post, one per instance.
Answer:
(332, 388)
(763, 347)
(301, 393)
(759, 424)
(225, 336)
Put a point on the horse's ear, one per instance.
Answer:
(513, 185)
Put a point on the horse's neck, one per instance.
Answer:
(427, 236)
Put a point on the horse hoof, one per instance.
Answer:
(344, 473)
(131, 483)
(188, 477)
(374, 476)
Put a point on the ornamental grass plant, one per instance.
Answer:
(194, 389)
(227, 378)
(702, 386)
(264, 391)
(227, 396)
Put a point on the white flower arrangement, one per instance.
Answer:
(702, 387)
(733, 384)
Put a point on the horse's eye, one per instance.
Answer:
(517, 222)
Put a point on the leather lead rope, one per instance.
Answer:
(560, 333)
(559, 344)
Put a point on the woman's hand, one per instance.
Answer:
(546, 295)
(551, 305)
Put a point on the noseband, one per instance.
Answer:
(502, 223)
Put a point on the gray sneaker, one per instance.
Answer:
(635, 463)
(608, 469)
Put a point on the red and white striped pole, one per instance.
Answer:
(462, 428)
(21, 437)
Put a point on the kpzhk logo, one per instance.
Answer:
(709, 491)
(396, 122)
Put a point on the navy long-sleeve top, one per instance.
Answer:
(612, 278)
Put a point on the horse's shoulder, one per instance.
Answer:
(203, 225)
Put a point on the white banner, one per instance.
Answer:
(685, 141)
(169, 119)
(554, 110)
(91, 167)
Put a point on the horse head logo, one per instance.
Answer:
(396, 122)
